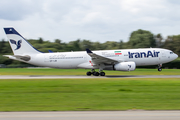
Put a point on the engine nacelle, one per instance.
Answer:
(125, 66)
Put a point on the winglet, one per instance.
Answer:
(50, 51)
(88, 51)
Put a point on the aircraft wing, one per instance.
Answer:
(97, 59)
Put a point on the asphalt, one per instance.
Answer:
(92, 115)
(74, 77)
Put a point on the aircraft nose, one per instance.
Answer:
(175, 56)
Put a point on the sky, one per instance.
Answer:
(94, 20)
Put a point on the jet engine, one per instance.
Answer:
(125, 66)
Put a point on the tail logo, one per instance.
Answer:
(18, 43)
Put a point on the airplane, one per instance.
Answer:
(120, 60)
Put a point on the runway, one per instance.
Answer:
(81, 77)
(92, 115)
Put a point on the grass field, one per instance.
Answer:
(90, 94)
(49, 71)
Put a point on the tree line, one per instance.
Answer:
(138, 39)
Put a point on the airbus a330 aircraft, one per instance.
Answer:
(120, 60)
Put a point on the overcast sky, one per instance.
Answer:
(95, 20)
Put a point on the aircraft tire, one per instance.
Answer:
(96, 74)
(88, 73)
(159, 69)
(102, 73)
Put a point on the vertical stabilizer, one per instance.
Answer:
(19, 44)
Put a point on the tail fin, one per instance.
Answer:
(19, 44)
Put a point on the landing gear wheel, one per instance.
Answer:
(88, 73)
(159, 69)
(93, 72)
(96, 74)
(102, 73)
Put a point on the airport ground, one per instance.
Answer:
(125, 91)
(92, 115)
(70, 72)
(87, 94)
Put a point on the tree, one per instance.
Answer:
(109, 45)
(97, 46)
(141, 39)
(173, 43)
(40, 40)
(57, 41)
(75, 45)
(159, 39)
(2, 45)
(86, 44)
(121, 44)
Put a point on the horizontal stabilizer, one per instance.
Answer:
(18, 57)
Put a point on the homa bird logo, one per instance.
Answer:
(18, 43)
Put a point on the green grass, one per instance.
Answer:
(90, 94)
(49, 71)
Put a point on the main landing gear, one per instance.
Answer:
(160, 67)
(93, 72)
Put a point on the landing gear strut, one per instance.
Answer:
(93, 72)
(160, 67)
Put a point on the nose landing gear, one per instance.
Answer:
(160, 67)
(93, 72)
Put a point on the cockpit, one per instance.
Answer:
(171, 53)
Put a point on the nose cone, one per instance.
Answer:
(175, 56)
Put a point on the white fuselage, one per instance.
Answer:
(120, 60)
(71, 60)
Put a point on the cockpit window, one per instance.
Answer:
(171, 52)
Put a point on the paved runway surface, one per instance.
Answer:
(72, 77)
(92, 115)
